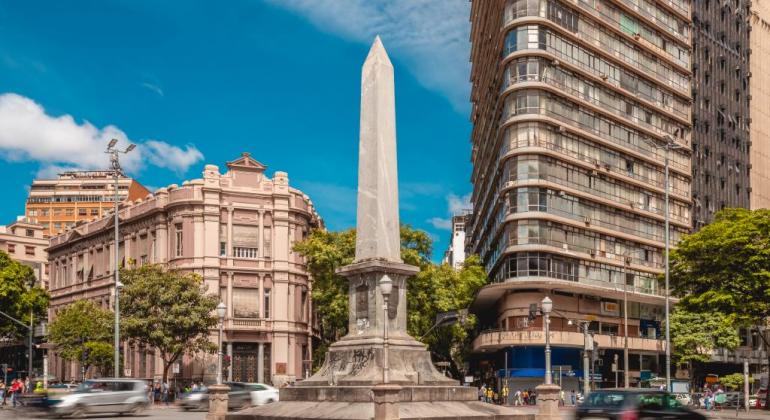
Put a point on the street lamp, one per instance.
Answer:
(116, 172)
(386, 286)
(221, 309)
(546, 306)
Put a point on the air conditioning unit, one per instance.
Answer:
(587, 220)
(592, 252)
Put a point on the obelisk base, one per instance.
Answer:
(218, 400)
(548, 402)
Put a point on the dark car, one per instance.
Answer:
(633, 404)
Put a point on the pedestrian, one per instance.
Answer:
(572, 397)
(2, 393)
(505, 395)
(16, 387)
(156, 392)
(532, 397)
(164, 392)
(561, 397)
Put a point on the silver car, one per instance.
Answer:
(118, 396)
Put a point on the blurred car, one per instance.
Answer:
(121, 396)
(241, 395)
(633, 404)
(262, 394)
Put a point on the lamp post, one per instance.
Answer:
(546, 306)
(221, 309)
(116, 172)
(386, 286)
(626, 379)
(668, 145)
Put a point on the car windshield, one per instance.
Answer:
(605, 399)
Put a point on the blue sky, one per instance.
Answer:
(196, 82)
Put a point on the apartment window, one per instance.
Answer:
(143, 260)
(32, 213)
(69, 211)
(30, 233)
(222, 249)
(179, 240)
(245, 303)
(267, 303)
(29, 250)
(11, 248)
(82, 212)
(94, 212)
(303, 306)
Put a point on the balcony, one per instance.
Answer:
(498, 339)
(248, 324)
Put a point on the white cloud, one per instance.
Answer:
(429, 36)
(439, 223)
(455, 204)
(459, 204)
(153, 88)
(28, 133)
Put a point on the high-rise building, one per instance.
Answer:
(455, 253)
(760, 104)
(721, 98)
(237, 229)
(59, 203)
(572, 103)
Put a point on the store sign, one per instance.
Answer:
(610, 308)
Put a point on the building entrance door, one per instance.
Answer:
(245, 362)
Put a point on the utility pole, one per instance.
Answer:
(587, 344)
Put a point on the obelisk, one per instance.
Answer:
(352, 383)
(377, 225)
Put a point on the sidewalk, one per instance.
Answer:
(730, 414)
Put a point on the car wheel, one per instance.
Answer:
(79, 412)
(136, 409)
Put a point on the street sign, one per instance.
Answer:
(176, 368)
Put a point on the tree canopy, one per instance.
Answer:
(436, 288)
(18, 297)
(723, 271)
(168, 310)
(83, 331)
(695, 335)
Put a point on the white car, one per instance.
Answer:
(262, 394)
(122, 396)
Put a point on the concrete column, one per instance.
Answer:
(261, 240)
(548, 402)
(230, 367)
(386, 398)
(217, 402)
(161, 242)
(229, 246)
(229, 294)
(261, 363)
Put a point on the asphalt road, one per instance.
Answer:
(150, 414)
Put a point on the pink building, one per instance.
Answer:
(237, 231)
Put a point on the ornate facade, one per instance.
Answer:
(237, 231)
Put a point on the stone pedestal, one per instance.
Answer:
(217, 402)
(386, 398)
(548, 402)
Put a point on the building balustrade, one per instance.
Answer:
(498, 339)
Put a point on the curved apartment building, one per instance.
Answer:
(572, 103)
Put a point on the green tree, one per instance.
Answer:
(168, 310)
(725, 268)
(436, 288)
(695, 335)
(19, 298)
(732, 382)
(84, 328)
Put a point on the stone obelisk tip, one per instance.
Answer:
(377, 223)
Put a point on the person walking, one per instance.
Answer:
(16, 387)
(482, 393)
(164, 392)
(572, 397)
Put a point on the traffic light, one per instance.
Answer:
(532, 311)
